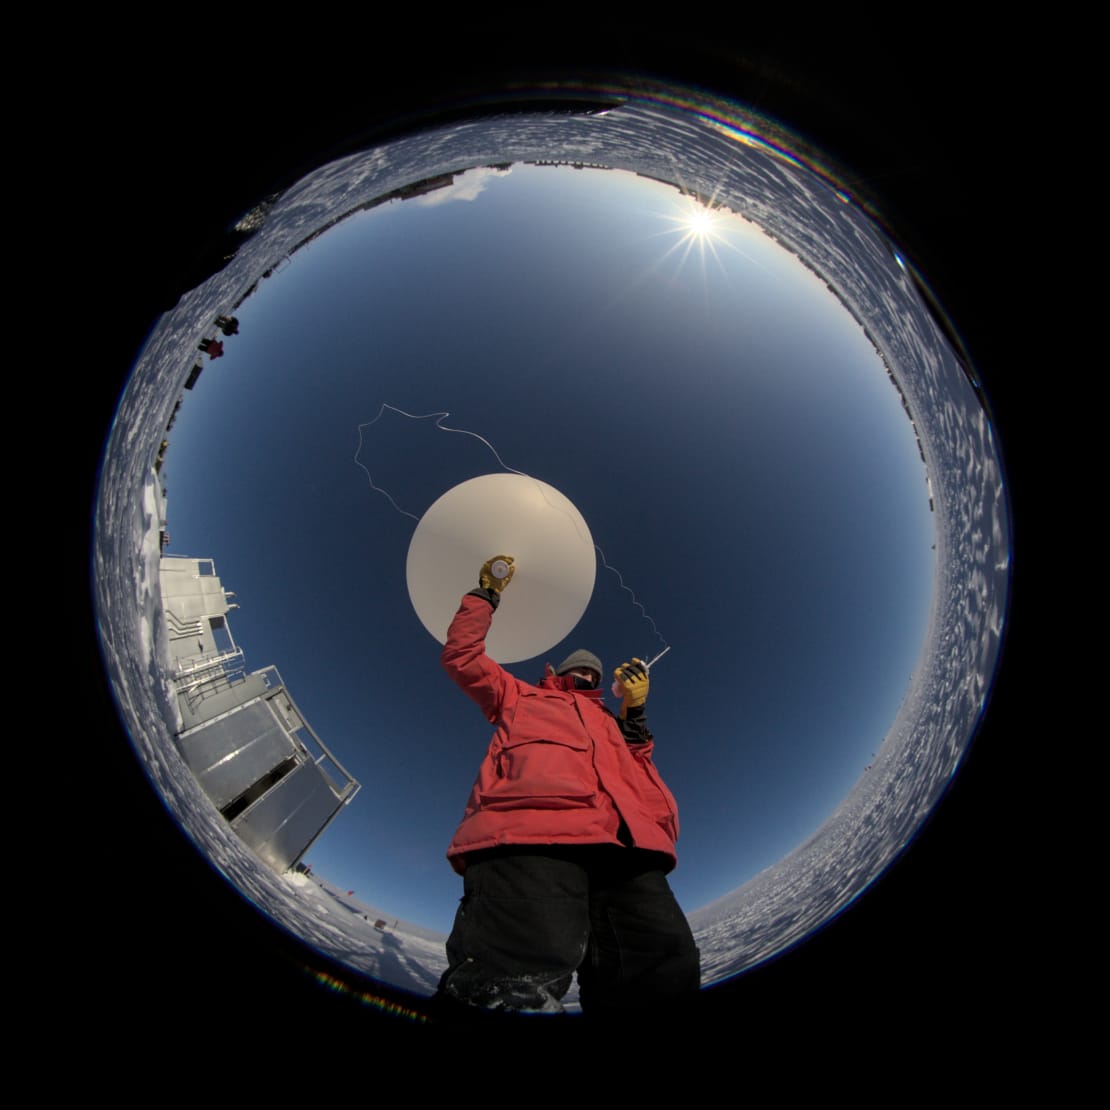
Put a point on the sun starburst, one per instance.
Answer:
(700, 223)
(700, 226)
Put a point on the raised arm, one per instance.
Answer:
(464, 654)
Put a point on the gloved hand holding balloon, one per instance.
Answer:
(496, 573)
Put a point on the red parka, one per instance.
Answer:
(558, 770)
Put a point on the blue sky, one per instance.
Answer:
(724, 427)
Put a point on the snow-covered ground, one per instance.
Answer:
(397, 952)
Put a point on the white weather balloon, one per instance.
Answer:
(504, 514)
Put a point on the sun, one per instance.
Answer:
(699, 230)
(699, 226)
(700, 223)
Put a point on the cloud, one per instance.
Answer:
(466, 187)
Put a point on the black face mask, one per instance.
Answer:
(584, 683)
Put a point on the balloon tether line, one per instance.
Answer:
(440, 417)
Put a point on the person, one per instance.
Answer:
(566, 840)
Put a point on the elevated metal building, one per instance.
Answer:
(242, 734)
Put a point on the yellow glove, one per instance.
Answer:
(496, 573)
(632, 678)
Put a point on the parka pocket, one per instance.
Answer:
(545, 762)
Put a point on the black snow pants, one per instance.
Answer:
(532, 916)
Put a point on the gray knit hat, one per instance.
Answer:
(580, 658)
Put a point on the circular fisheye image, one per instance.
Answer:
(632, 376)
